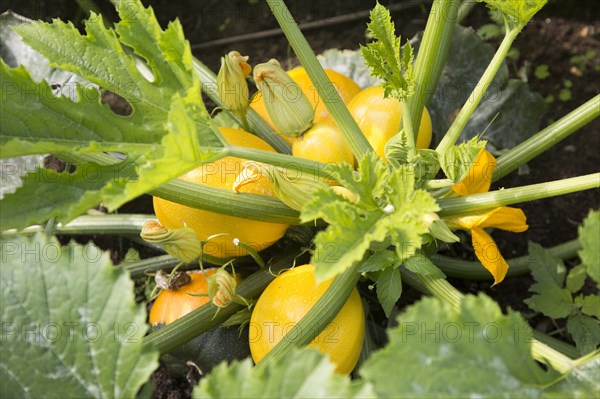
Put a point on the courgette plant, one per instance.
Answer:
(70, 325)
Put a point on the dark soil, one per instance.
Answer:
(565, 28)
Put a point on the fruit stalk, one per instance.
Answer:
(335, 106)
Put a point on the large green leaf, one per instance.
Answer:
(301, 374)
(582, 383)
(167, 133)
(438, 351)
(70, 324)
(14, 52)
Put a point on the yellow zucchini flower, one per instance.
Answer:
(486, 250)
(479, 177)
(478, 180)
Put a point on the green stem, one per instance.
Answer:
(319, 316)
(509, 196)
(333, 102)
(113, 224)
(249, 206)
(517, 266)
(243, 205)
(431, 57)
(255, 122)
(206, 317)
(438, 183)
(476, 96)
(442, 289)
(557, 344)
(542, 141)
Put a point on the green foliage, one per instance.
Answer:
(489, 31)
(386, 58)
(582, 383)
(301, 374)
(389, 288)
(516, 12)
(515, 110)
(541, 72)
(71, 327)
(379, 260)
(585, 332)
(458, 160)
(581, 60)
(589, 236)
(424, 163)
(435, 346)
(161, 137)
(388, 208)
(554, 297)
(565, 94)
(422, 265)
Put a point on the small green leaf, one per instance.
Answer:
(457, 161)
(489, 31)
(440, 230)
(551, 300)
(545, 267)
(585, 332)
(576, 278)
(425, 163)
(386, 58)
(589, 236)
(541, 72)
(389, 289)
(70, 324)
(516, 12)
(591, 306)
(422, 265)
(565, 94)
(300, 374)
(435, 346)
(379, 261)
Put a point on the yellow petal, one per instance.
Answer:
(489, 255)
(466, 222)
(506, 218)
(479, 176)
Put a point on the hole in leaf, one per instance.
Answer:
(117, 104)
